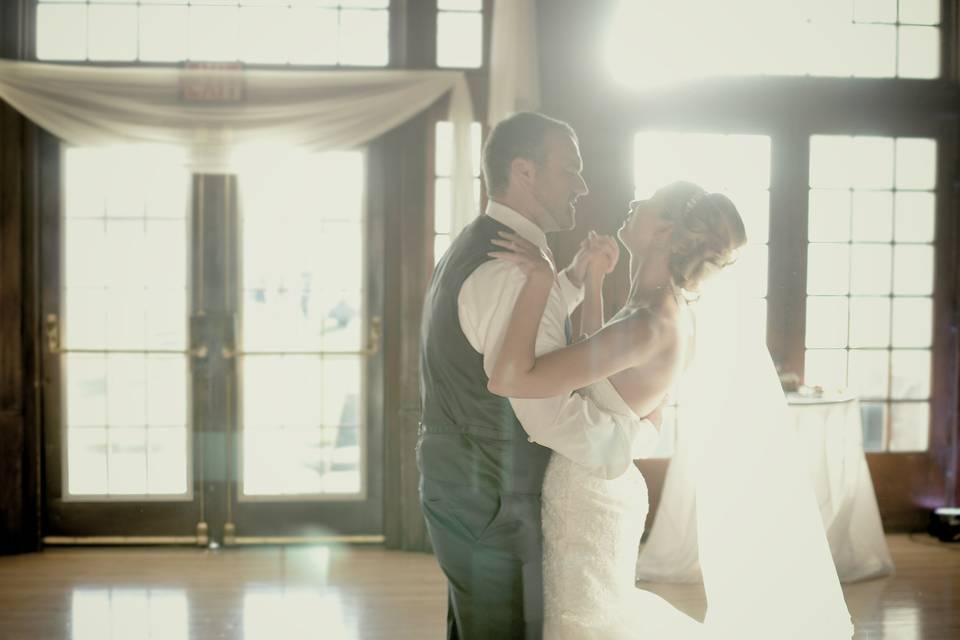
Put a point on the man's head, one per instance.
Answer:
(532, 164)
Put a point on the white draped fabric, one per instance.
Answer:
(280, 110)
(514, 64)
(748, 513)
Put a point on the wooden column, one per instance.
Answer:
(19, 369)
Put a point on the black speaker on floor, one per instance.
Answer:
(945, 524)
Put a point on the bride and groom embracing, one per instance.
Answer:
(533, 505)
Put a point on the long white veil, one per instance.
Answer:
(766, 565)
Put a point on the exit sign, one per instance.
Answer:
(216, 82)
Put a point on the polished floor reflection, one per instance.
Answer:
(353, 593)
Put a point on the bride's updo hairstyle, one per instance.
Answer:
(707, 233)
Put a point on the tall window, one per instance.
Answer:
(737, 165)
(310, 32)
(660, 42)
(460, 33)
(443, 163)
(870, 278)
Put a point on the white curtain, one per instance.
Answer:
(280, 109)
(514, 64)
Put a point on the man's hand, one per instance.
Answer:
(597, 253)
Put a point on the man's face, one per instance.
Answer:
(558, 182)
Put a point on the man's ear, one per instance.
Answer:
(522, 171)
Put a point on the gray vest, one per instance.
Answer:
(468, 436)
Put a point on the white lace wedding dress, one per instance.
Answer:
(591, 536)
(767, 569)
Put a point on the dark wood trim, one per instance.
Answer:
(403, 177)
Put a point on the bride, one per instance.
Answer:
(767, 570)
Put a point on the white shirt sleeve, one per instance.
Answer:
(574, 425)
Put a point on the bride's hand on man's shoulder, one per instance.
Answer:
(530, 258)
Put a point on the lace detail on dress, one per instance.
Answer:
(591, 530)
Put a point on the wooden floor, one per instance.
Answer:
(356, 593)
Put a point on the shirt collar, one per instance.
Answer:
(524, 227)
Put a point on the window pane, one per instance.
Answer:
(716, 162)
(920, 11)
(829, 215)
(919, 52)
(913, 269)
(911, 375)
(314, 37)
(916, 163)
(460, 5)
(831, 162)
(87, 456)
(214, 33)
(874, 418)
(127, 461)
(163, 33)
(113, 32)
(264, 34)
(127, 386)
(85, 376)
(869, 322)
(61, 32)
(872, 163)
(826, 322)
(364, 38)
(754, 259)
(916, 221)
(166, 391)
(874, 51)
(912, 322)
(872, 216)
(459, 39)
(87, 311)
(167, 460)
(828, 269)
(441, 218)
(870, 269)
(870, 373)
(826, 368)
(754, 208)
(875, 11)
(85, 257)
(909, 426)
(441, 242)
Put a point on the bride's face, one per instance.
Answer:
(644, 228)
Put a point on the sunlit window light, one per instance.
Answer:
(653, 44)
(320, 32)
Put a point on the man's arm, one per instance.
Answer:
(571, 425)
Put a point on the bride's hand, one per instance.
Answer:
(532, 261)
(604, 254)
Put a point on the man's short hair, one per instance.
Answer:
(519, 136)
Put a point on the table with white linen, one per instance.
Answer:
(830, 438)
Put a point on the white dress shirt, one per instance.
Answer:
(573, 425)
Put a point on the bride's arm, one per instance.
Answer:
(606, 254)
(518, 373)
(591, 311)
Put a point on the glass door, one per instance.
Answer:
(213, 357)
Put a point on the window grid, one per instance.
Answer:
(870, 286)
(295, 32)
(460, 34)
(442, 181)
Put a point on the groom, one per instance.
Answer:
(482, 457)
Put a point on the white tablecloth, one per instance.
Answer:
(830, 436)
